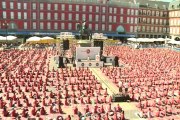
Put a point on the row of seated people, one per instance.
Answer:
(97, 112)
(30, 89)
(151, 76)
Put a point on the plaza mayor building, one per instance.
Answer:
(115, 18)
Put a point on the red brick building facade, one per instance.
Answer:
(53, 16)
(63, 15)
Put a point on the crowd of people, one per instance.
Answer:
(29, 89)
(151, 76)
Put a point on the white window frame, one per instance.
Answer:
(97, 18)
(69, 26)
(34, 7)
(25, 6)
(121, 19)
(11, 5)
(77, 16)
(132, 11)
(48, 16)
(55, 26)
(131, 28)
(18, 5)
(4, 15)
(122, 11)
(110, 28)
(90, 17)
(19, 15)
(62, 16)
(97, 8)
(110, 18)
(127, 20)
(62, 7)
(3, 5)
(41, 6)
(41, 26)
(128, 11)
(110, 9)
(90, 26)
(70, 16)
(84, 8)
(96, 26)
(136, 12)
(12, 15)
(103, 27)
(62, 26)
(132, 20)
(114, 19)
(34, 25)
(55, 6)
(115, 10)
(34, 15)
(48, 6)
(55, 16)
(70, 7)
(90, 8)
(25, 15)
(83, 16)
(25, 25)
(103, 18)
(103, 9)
(77, 7)
(41, 15)
(135, 28)
(48, 25)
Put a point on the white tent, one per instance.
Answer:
(144, 40)
(132, 39)
(33, 39)
(174, 42)
(11, 37)
(47, 38)
(2, 38)
(159, 39)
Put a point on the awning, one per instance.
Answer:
(29, 33)
(58, 33)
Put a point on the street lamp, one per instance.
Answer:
(6, 25)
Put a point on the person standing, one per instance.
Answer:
(120, 84)
(126, 87)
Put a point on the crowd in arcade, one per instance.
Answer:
(29, 89)
(153, 79)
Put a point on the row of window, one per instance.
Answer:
(174, 21)
(174, 30)
(131, 12)
(55, 7)
(153, 21)
(48, 16)
(153, 13)
(152, 29)
(56, 26)
(174, 14)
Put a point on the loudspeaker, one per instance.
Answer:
(65, 44)
(116, 59)
(61, 63)
(98, 44)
